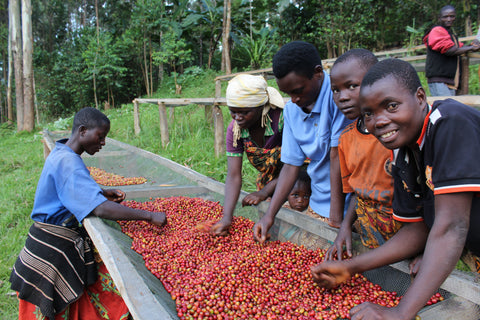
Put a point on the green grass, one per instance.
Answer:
(20, 167)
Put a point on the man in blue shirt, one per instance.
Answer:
(313, 125)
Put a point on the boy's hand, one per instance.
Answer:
(368, 310)
(344, 236)
(115, 195)
(330, 274)
(221, 228)
(260, 229)
(254, 198)
(158, 218)
(415, 264)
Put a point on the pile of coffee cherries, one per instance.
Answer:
(111, 179)
(234, 277)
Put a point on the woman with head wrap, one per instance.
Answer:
(256, 129)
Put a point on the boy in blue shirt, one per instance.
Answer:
(436, 185)
(312, 127)
(56, 266)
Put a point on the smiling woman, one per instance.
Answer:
(256, 129)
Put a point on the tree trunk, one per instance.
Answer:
(28, 99)
(468, 19)
(227, 17)
(16, 38)
(10, 70)
(147, 85)
(151, 63)
(213, 47)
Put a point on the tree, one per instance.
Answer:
(16, 38)
(227, 15)
(28, 95)
(173, 53)
(104, 64)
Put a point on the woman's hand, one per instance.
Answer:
(221, 228)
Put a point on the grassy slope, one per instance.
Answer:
(20, 166)
(191, 144)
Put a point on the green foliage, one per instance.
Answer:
(103, 62)
(172, 51)
(415, 35)
(184, 34)
(257, 51)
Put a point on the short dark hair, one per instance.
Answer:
(447, 7)
(401, 70)
(304, 177)
(89, 118)
(298, 56)
(364, 56)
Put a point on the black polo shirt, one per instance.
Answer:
(448, 162)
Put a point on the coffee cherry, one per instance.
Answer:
(110, 179)
(235, 277)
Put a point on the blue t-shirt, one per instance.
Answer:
(65, 188)
(312, 135)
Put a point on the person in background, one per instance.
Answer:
(256, 130)
(364, 162)
(443, 65)
(55, 274)
(436, 185)
(299, 196)
(313, 125)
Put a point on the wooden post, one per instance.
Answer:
(464, 76)
(219, 135)
(136, 118)
(162, 111)
(208, 108)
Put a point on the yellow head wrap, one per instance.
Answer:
(249, 91)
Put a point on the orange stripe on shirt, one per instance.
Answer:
(455, 189)
(404, 219)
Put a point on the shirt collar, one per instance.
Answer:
(421, 139)
(325, 91)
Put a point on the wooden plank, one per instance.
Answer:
(470, 100)
(454, 307)
(135, 292)
(177, 102)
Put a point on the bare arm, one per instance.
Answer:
(337, 200)
(286, 180)
(113, 211)
(406, 243)
(255, 198)
(456, 51)
(344, 236)
(443, 249)
(233, 185)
